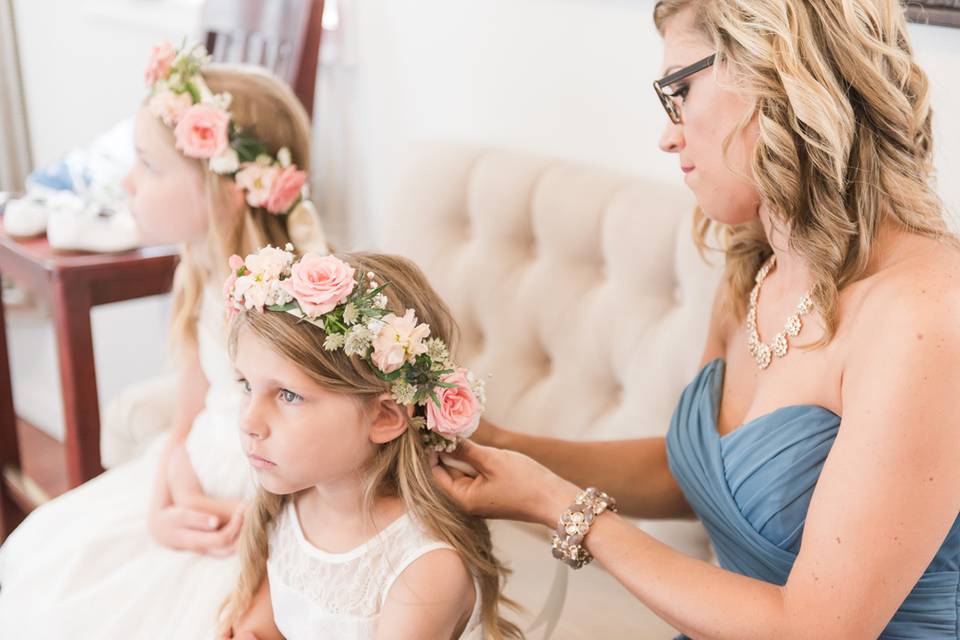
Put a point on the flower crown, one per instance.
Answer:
(352, 310)
(203, 129)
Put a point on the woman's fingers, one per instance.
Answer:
(476, 455)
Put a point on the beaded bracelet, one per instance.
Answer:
(574, 525)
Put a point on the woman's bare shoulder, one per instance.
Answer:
(922, 289)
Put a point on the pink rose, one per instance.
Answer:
(161, 58)
(398, 341)
(170, 106)
(235, 262)
(257, 180)
(202, 131)
(228, 293)
(459, 412)
(319, 283)
(285, 189)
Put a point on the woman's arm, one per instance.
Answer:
(886, 498)
(635, 471)
(432, 599)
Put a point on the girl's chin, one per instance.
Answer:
(270, 483)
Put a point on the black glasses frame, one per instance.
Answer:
(671, 103)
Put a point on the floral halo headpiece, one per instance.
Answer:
(203, 129)
(352, 310)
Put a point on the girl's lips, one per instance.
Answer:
(687, 169)
(260, 463)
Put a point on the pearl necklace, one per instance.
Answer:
(762, 352)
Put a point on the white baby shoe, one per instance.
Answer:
(98, 228)
(27, 217)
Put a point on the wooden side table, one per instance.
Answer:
(71, 285)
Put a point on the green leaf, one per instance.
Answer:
(193, 91)
(283, 307)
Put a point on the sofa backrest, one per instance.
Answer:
(578, 290)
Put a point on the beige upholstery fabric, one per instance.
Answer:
(580, 292)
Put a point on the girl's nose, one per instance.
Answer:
(252, 423)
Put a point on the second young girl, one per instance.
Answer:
(350, 393)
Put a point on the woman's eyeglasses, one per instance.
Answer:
(672, 98)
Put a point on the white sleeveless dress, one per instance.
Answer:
(339, 595)
(84, 564)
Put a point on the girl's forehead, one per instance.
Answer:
(150, 135)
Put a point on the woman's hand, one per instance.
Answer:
(187, 529)
(508, 485)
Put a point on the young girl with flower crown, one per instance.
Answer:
(221, 160)
(350, 393)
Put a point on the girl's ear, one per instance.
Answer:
(389, 419)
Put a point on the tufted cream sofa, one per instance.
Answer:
(580, 292)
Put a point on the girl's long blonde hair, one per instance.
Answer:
(399, 468)
(266, 105)
(845, 141)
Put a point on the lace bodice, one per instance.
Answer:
(340, 594)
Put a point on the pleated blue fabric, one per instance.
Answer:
(751, 489)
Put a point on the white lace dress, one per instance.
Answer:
(339, 595)
(85, 566)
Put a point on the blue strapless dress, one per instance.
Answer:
(751, 489)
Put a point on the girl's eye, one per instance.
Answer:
(244, 385)
(289, 396)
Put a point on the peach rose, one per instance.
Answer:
(459, 412)
(257, 180)
(161, 58)
(285, 189)
(399, 340)
(202, 131)
(319, 283)
(170, 106)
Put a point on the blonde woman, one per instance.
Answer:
(350, 392)
(820, 442)
(147, 549)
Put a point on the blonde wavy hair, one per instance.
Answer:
(845, 139)
(399, 468)
(266, 105)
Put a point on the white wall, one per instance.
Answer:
(82, 64)
(570, 78)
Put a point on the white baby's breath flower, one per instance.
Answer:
(283, 157)
(333, 341)
(227, 162)
(358, 341)
(222, 100)
(479, 389)
(351, 314)
(375, 325)
(277, 294)
(380, 301)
